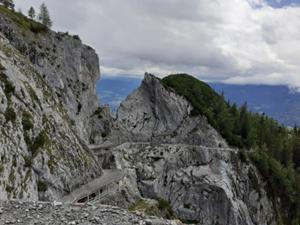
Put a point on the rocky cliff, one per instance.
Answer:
(70, 68)
(41, 155)
(155, 113)
(47, 96)
(184, 161)
(173, 161)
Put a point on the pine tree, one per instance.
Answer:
(8, 4)
(44, 16)
(31, 13)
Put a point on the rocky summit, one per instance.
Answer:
(182, 159)
(161, 160)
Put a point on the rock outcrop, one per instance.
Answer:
(155, 113)
(70, 68)
(41, 155)
(204, 185)
(183, 160)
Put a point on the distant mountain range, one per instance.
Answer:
(114, 90)
(276, 101)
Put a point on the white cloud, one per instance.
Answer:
(240, 41)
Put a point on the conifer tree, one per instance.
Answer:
(8, 4)
(31, 13)
(44, 16)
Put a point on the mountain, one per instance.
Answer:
(113, 90)
(175, 149)
(47, 102)
(279, 102)
(180, 156)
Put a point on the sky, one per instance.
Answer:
(231, 41)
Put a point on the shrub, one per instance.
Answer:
(76, 37)
(9, 88)
(9, 189)
(10, 115)
(42, 186)
(27, 121)
(38, 28)
(28, 161)
(98, 112)
(39, 142)
(164, 205)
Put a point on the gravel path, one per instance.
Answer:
(57, 214)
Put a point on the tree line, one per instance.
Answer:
(43, 16)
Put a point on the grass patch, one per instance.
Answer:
(23, 22)
(159, 208)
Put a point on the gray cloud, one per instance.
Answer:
(236, 41)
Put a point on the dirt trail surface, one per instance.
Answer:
(57, 214)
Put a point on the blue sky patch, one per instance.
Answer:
(282, 3)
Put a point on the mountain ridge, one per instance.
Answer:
(277, 101)
(181, 151)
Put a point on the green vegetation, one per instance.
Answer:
(52, 164)
(44, 16)
(9, 88)
(164, 206)
(8, 4)
(34, 98)
(31, 13)
(276, 149)
(27, 121)
(160, 208)
(98, 112)
(10, 115)
(9, 189)
(28, 161)
(22, 21)
(41, 141)
(42, 186)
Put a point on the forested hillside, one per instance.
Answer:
(272, 147)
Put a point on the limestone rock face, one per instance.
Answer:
(154, 113)
(182, 159)
(206, 185)
(70, 68)
(42, 157)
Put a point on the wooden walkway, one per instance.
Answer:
(96, 188)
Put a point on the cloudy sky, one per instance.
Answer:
(234, 41)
